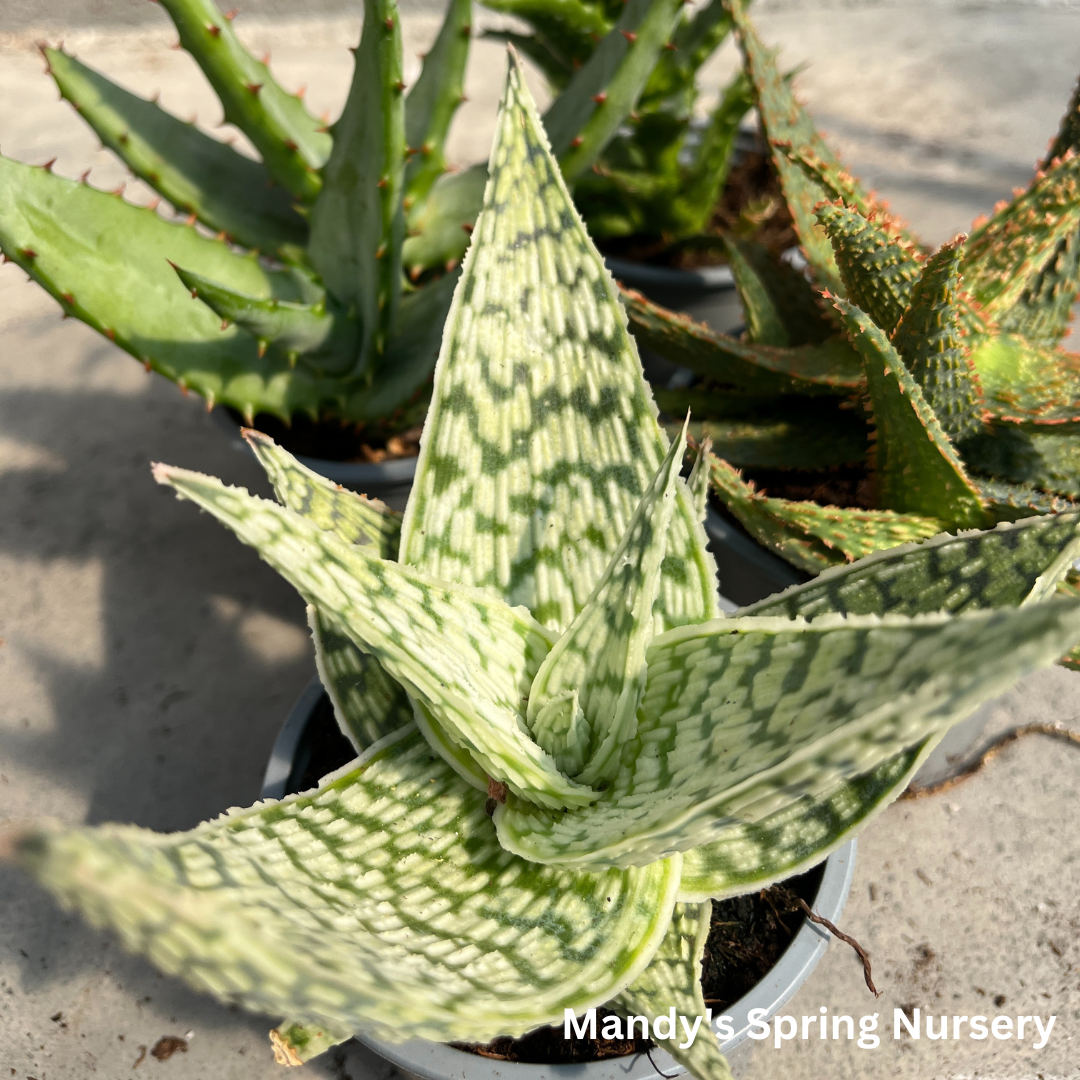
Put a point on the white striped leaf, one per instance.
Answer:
(382, 902)
(467, 655)
(595, 672)
(542, 434)
(673, 980)
(741, 718)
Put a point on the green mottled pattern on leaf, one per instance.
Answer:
(597, 667)
(352, 518)
(744, 717)
(1006, 255)
(810, 536)
(381, 900)
(930, 339)
(917, 469)
(467, 655)
(542, 437)
(673, 980)
(368, 704)
(997, 568)
(878, 267)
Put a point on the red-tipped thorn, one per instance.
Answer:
(389, 23)
(28, 253)
(110, 333)
(253, 87)
(629, 35)
(600, 98)
(467, 227)
(232, 13)
(213, 29)
(575, 142)
(262, 353)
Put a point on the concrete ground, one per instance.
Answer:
(148, 659)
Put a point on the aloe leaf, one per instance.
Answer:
(1028, 383)
(744, 717)
(595, 672)
(107, 263)
(879, 269)
(324, 908)
(917, 469)
(542, 436)
(793, 839)
(352, 518)
(673, 980)
(832, 367)
(1006, 255)
(787, 124)
(368, 704)
(227, 191)
(568, 28)
(439, 227)
(1043, 457)
(357, 224)
(289, 139)
(1007, 501)
(695, 39)
(603, 91)
(433, 100)
(810, 536)
(295, 1044)
(467, 655)
(323, 335)
(999, 568)
(557, 70)
(764, 320)
(930, 339)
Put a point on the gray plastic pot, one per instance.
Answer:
(437, 1061)
(391, 481)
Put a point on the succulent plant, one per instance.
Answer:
(565, 749)
(658, 173)
(294, 260)
(972, 408)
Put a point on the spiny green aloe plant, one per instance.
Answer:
(297, 304)
(972, 408)
(565, 750)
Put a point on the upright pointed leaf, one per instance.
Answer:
(673, 979)
(357, 225)
(604, 90)
(600, 659)
(917, 469)
(227, 191)
(930, 339)
(810, 536)
(542, 436)
(287, 136)
(846, 694)
(467, 655)
(433, 100)
(325, 908)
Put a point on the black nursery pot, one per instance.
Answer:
(310, 735)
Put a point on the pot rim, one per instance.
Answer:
(642, 275)
(439, 1061)
(351, 473)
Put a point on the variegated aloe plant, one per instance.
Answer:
(565, 750)
(939, 376)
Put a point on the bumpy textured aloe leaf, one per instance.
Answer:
(1043, 313)
(321, 333)
(227, 191)
(597, 667)
(1028, 383)
(439, 226)
(433, 100)
(467, 655)
(930, 339)
(357, 225)
(542, 437)
(294, 1043)
(847, 695)
(673, 979)
(786, 122)
(1011, 502)
(810, 536)
(878, 268)
(107, 263)
(831, 367)
(1002, 567)
(287, 136)
(764, 320)
(917, 469)
(1044, 457)
(1005, 256)
(326, 908)
(368, 704)
(602, 93)
(352, 518)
